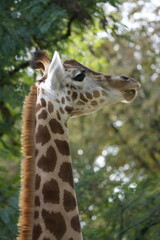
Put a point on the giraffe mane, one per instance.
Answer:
(27, 165)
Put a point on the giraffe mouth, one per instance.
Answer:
(130, 92)
(129, 95)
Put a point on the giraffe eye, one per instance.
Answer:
(79, 77)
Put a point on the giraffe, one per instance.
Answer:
(48, 203)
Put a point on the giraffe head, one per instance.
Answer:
(79, 89)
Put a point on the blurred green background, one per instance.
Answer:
(116, 151)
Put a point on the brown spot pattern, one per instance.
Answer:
(37, 230)
(68, 99)
(42, 135)
(43, 102)
(83, 98)
(57, 100)
(36, 152)
(75, 223)
(61, 110)
(94, 103)
(58, 115)
(56, 127)
(43, 115)
(74, 95)
(73, 87)
(66, 174)
(63, 100)
(63, 147)
(56, 220)
(37, 201)
(50, 107)
(47, 163)
(69, 109)
(51, 192)
(68, 92)
(37, 182)
(96, 94)
(89, 95)
(69, 201)
(36, 214)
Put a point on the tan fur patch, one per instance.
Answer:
(104, 94)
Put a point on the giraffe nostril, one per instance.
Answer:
(125, 78)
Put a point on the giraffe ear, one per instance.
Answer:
(56, 72)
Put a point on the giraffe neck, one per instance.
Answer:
(54, 205)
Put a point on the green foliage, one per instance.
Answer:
(116, 210)
(116, 152)
(8, 204)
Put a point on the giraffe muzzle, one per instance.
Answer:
(130, 90)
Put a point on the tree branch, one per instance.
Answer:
(68, 31)
(144, 164)
(19, 67)
(149, 223)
